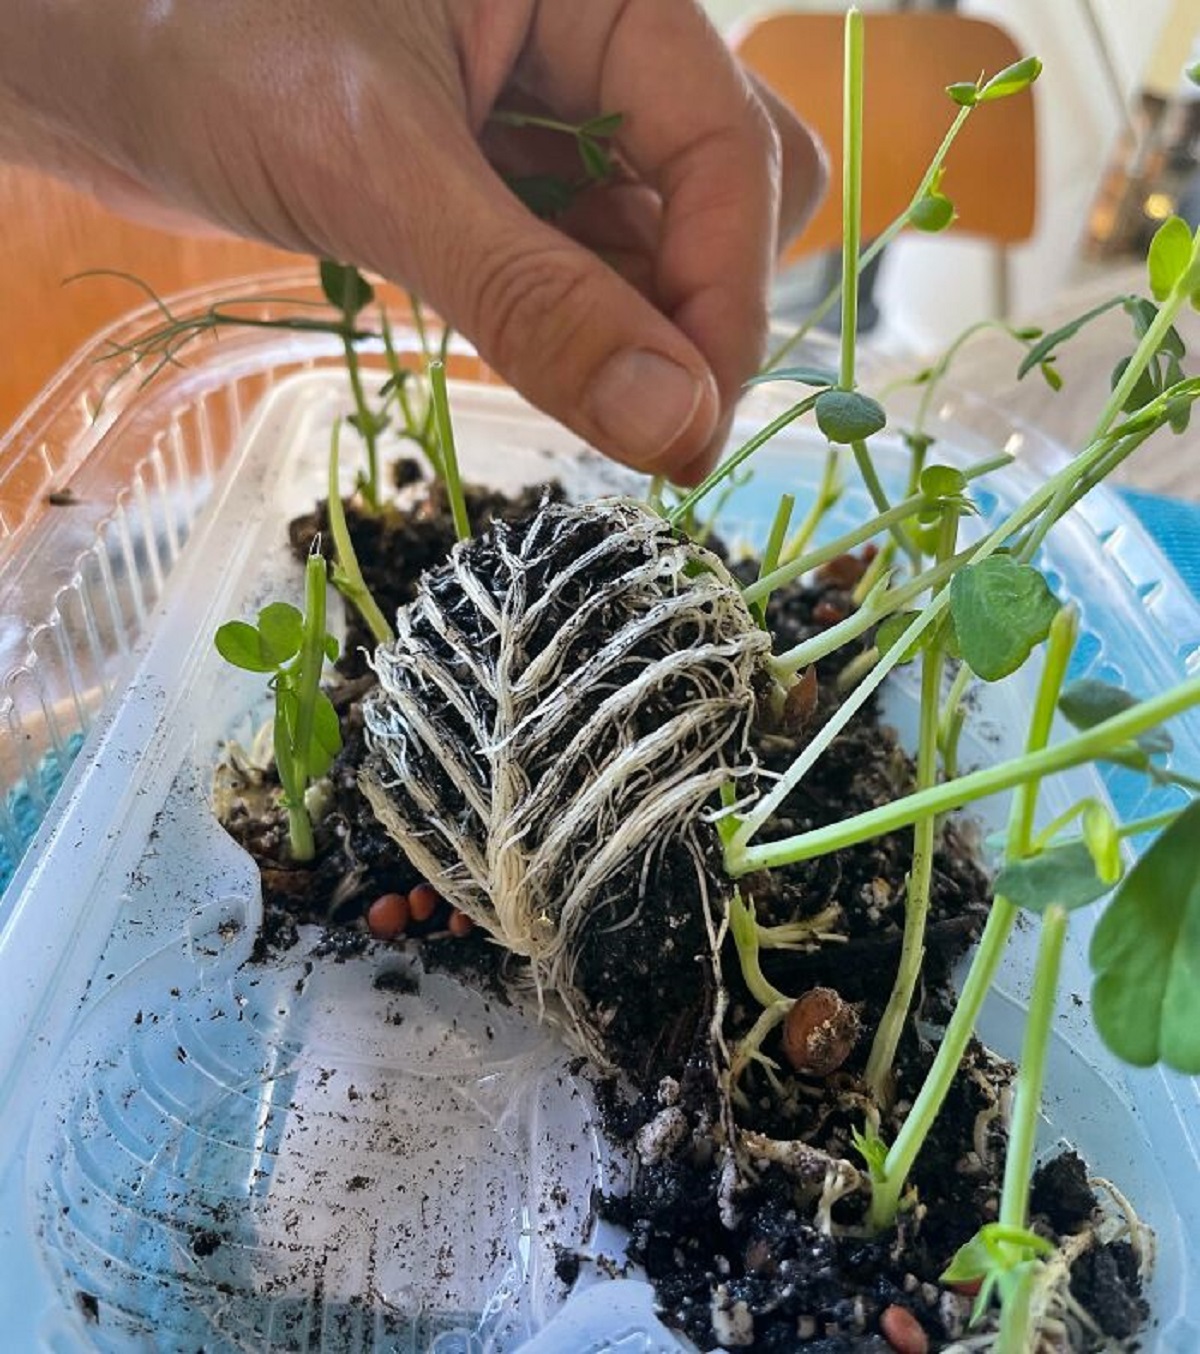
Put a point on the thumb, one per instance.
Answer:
(566, 331)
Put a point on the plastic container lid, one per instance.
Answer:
(202, 1152)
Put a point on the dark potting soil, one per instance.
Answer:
(764, 1272)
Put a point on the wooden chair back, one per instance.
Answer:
(910, 58)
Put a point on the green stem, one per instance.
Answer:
(366, 426)
(869, 614)
(920, 875)
(770, 557)
(886, 1191)
(509, 117)
(885, 1195)
(1036, 503)
(852, 140)
(876, 247)
(312, 658)
(1016, 1315)
(1088, 746)
(1152, 822)
(445, 432)
(743, 926)
(1143, 355)
(292, 746)
(1022, 1133)
(870, 477)
(953, 720)
(347, 577)
(680, 512)
(794, 567)
(829, 490)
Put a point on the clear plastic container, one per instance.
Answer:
(197, 1152)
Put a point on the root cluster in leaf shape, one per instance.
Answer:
(562, 699)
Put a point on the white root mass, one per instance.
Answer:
(563, 697)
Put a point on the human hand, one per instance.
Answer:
(360, 131)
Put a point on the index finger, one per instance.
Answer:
(694, 128)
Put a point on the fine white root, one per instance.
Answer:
(562, 698)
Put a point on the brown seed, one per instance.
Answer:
(826, 613)
(903, 1331)
(819, 1032)
(388, 916)
(967, 1288)
(800, 704)
(460, 924)
(423, 902)
(843, 571)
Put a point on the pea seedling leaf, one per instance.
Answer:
(1042, 349)
(326, 737)
(848, 416)
(239, 643)
(1051, 375)
(332, 647)
(281, 632)
(1102, 840)
(1145, 954)
(891, 632)
(1144, 390)
(546, 195)
(1063, 876)
(994, 1254)
(597, 163)
(808, 376)
(1089, 701)
(1169, 255)
(942, 481)
(932, 213)
(345, 287)
(965, 93)
(1011, 80)
(1001, 610)
(873, 1150)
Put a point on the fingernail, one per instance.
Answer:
(642, 402)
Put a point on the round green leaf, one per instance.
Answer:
(942, 481)
(1169, 255)
(326, 737)
(848, 416)
(1011, 80)
(1001, 610)
(1102, 840)
(1064, 876)
(891, 632)
(932, 213)
(1089, 701)
(965, 93)
(1145, 954)
(281, 631)
(1050, 374)
(239, 643)
(345, 287)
